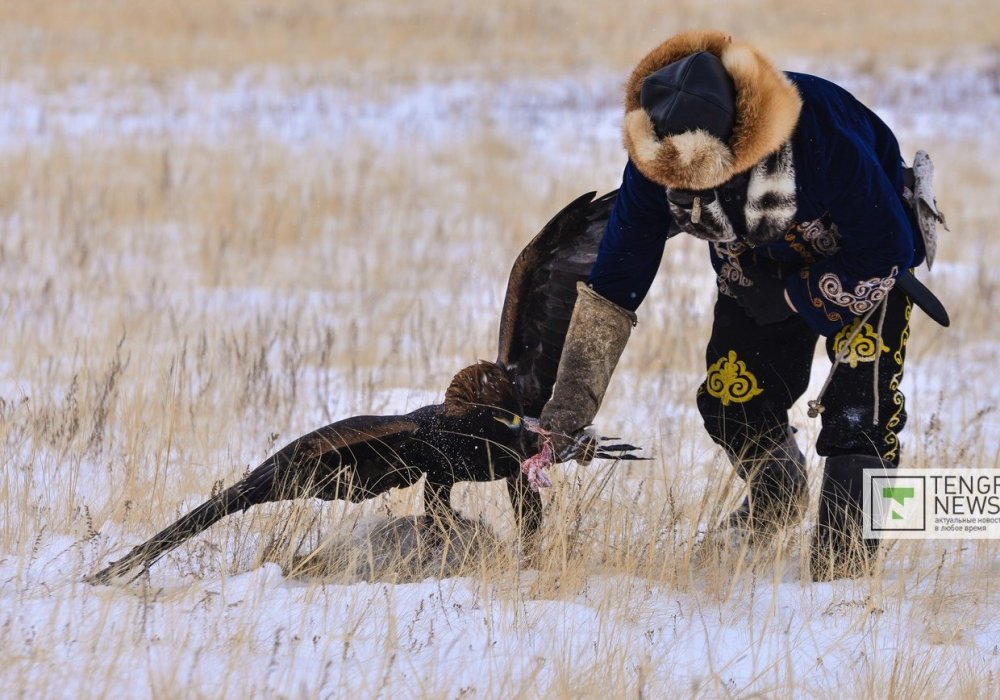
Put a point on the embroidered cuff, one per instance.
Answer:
(828, 302)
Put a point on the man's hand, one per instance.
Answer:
(580, 447)
(765, 301)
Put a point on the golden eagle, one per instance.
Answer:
(478, 433)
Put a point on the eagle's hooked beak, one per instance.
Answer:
(512, 423)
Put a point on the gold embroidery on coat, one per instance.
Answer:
(865, 295)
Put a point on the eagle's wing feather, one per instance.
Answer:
(541, 293)
(353, 459)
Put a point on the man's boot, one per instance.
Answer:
(777, 491)
(839, 549)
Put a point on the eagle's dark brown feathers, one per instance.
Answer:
(541, 293)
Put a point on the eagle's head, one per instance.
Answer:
(486, 385)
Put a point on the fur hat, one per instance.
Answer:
(681, 151)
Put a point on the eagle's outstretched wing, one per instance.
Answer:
(541, 293)
(352, 459)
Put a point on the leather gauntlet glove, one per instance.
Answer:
(598, 332)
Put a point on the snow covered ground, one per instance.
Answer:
(669, 617)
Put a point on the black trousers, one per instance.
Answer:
(755, 374)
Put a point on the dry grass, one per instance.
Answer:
(354, 41)
(176, 305)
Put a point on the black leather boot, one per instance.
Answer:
(838, 548)
(777, 491)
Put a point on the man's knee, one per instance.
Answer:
(743, 429)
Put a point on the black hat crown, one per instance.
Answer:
(693, 93)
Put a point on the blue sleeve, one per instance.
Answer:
(876, 237)
(633, 242)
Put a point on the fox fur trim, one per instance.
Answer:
(767, 110)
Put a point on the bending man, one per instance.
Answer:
(798, 190)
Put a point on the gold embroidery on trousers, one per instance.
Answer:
(730, 381)
(891, 439)
(865, 345)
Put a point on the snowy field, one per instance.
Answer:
(199, 266)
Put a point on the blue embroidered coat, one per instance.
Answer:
(827, 205)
